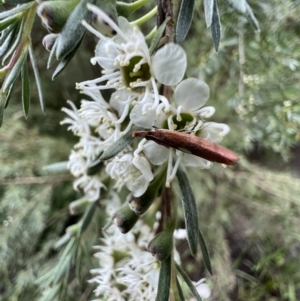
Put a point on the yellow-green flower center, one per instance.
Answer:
(131, 75)
(183, 123)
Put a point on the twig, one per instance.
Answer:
(165, 10)
(37, 180)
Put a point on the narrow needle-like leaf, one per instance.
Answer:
(119, 145)
(179, 290)
(65, 61)
(87, 217)
(2, 104)
(14, 72)
(188, 282)
(15, 10)
(208, 9)
(216, 26)
(184, 20)
(189, 209)
(37, 79)
(205, 253)
(25, 90)
(157, 36)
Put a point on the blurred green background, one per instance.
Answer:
(249, 214)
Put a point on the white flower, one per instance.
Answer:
(203, 289)
(91, 185)
(89, 146)
(78, 126)
(180, 234)
(103, 121)
(188, 115)
(128, 66)
(88, 143)
(77, 164)
(134, 171)
(134, 268)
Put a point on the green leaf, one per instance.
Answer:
(9, 93)
(184, 20)
(179, 290)
(25, 90)
(15, 10)
(126, 9)
(52, 55)
(2, 104)
(239, 5)
(119, 145)
(164, 281)
(57, 167)
(15, 71)
(65, 61)
(251, 18)
(243, 7)
(9, 20)
(189, 209)
(216, 26)
(188, 281)
(87, 217)
(79, 206)
(50, 293)
(63, 267)
(73, 30)
(158, 35)
(5, 33)
(205, 253)
(208, 10)
(62, 241)
(37, 79)
(18, 31)
(7, 39)
(16, 1)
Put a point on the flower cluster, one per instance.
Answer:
(135, 74)
(126, 270)
(135, 79)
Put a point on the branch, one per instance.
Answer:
(37, 180)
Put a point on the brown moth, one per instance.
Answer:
(190, 144)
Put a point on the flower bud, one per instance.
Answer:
(49, 40)
(161, 245)
(73, 230)
(141, 204)
(125, 218)
(78, 206)
(125, 9)
(95, 167)
(102, 25)
(54, 14)
(62, 241)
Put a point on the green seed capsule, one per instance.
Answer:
(161, 245)
(125, 218)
